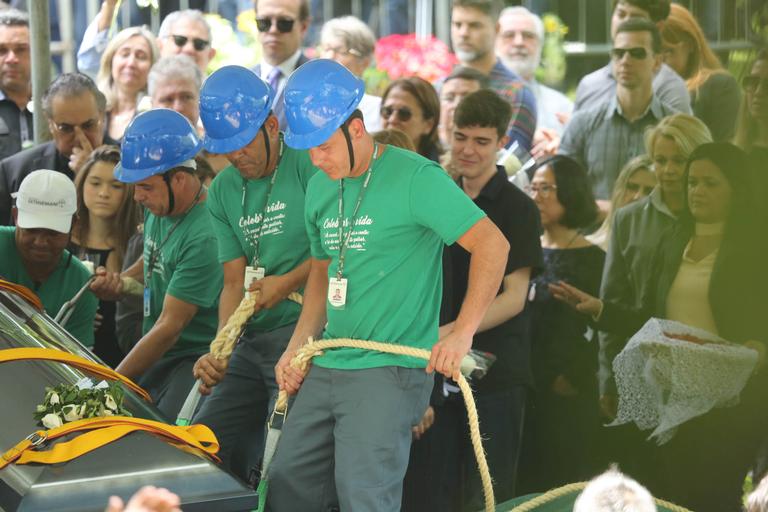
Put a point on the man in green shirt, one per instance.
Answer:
(180, 275)
(257, 210)
(377, 219)
(34, 254)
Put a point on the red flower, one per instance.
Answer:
(402, 55)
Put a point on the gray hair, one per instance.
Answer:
(538, 25)
(357, 36)
(187, 14)
(177, 67)
(614, 492)
(72, 84)
(14, 18)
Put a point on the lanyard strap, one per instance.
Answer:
(155, 250)
(344, 241)
(256, 241)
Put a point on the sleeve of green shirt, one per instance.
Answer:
(80, 324)
(228, 245)
(197, 277)
(449, 212)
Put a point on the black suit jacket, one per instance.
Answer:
(278, 106)
(15, 168)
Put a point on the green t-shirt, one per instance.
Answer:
(393, 262)
(236, 205)
(185, 267)
(66, 280)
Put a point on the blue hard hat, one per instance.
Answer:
(319, 96)
(156, 141)
(234, 103)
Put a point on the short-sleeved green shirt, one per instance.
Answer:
(186, 268)
(393, 262)
(236, 206)
(66, 280)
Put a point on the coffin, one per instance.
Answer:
(119, 468)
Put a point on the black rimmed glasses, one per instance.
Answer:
(197, 43)
(68, 129)
(404, 114)
(639, 53)
(284, 25)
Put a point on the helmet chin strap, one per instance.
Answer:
(345, 131)
(266, 145)
(171, 199)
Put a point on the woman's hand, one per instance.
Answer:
(577, 299)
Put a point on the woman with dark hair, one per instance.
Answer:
(107, 217)
(562, 418)
(411, 105)
(708, 273)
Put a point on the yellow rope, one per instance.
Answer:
(559, 492)
(314, 348)
(226, 339)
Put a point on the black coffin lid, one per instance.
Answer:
(119, 468)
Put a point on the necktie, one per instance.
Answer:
(274, 78)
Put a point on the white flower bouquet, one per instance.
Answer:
(72, 402)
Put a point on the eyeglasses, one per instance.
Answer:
(69, 129)
(284, 25)
(404, 114)
(197, 43)
(338, 50)
(636, 53)
(752, 82)
(544, 191)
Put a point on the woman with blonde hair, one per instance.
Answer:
(123, 77)
(107, 217)
(714, 92)
(635, 181)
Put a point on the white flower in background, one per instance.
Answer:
(107, 412)
(110, 402)
(51, 421)
(71, 413)
(54, 399)
(40, 408)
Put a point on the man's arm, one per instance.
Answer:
(275, 289)
(311, 322)
(175, 316)
(484, 242)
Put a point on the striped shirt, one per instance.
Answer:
(507, 84)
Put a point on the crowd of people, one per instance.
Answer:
(172, 190)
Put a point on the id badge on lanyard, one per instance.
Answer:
(252, 274)
(337, 292)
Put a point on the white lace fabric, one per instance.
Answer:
(663, 381)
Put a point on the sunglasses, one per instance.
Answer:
(635, 53)
(197, 43)
(284, 25)
(752, 82)
(403, 114)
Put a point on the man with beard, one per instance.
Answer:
(519, 45)
(473, 32)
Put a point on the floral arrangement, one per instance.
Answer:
(71, 402)
(552, 69)
(241, 47)
(401, 55)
